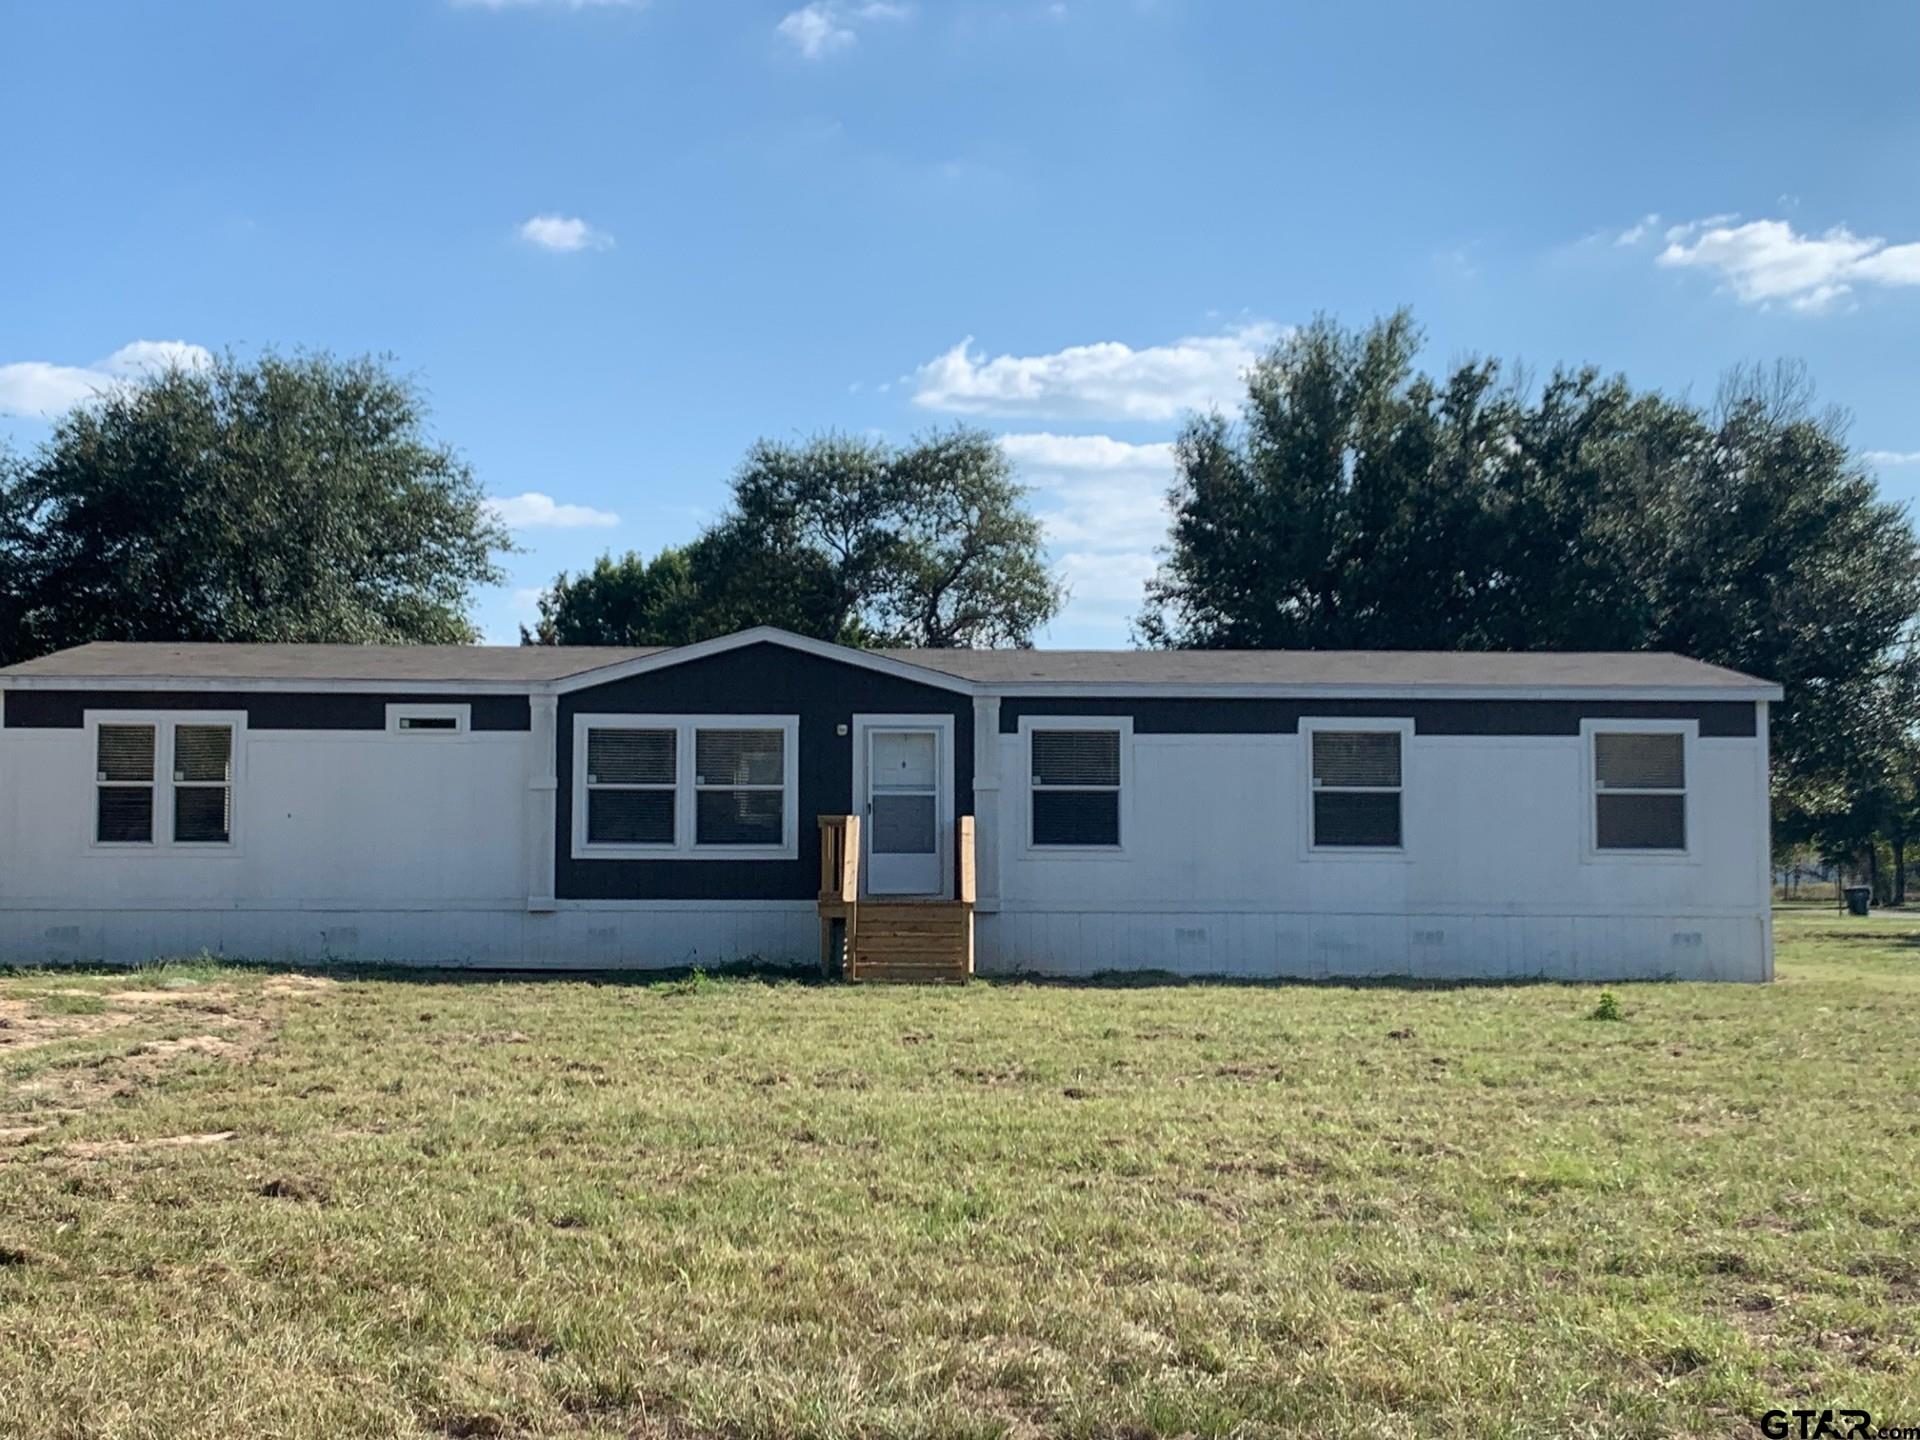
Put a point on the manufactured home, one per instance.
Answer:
(909, 813)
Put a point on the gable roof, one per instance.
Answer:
(132, 665)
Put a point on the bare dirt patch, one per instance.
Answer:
(226, 1024)
(96, 1149)
(181, 995)
(298, 984)
(23, 1029)
(194, 1045)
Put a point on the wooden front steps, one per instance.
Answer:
(913, 941)
(923, 941)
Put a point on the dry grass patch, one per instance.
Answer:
(242, 1203)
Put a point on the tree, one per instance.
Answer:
(628, 601)
(289, 499)
(842, 539)
(1359, 503)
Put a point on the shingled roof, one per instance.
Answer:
(497, 666)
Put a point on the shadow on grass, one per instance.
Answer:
(1171, 980)
(692, 979)
(1884, 933)
(209, 966)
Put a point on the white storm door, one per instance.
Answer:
(905, 777)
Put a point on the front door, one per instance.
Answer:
(905, 778)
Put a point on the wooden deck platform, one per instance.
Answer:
(915, 941)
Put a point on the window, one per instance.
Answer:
(1640, 790)
(706, 787)
(163, 780)
(739, 786)
(1356, 783)
(1076, 785)
(429, 719)
(123, 805)
(631, 787)
(202, 784)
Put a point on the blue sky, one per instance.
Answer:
(619, 241)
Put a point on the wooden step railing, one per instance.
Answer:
(889, 938)
(839, 859)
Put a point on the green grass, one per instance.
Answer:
(234, 1202)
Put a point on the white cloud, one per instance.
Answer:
(143, 357)
(533, 510)
(38, 388)
(1103, 506)
(1105, 591)
(1639, 231)
(1705, 222)
(1107, 380)
(526, 599)
(1764, 261)
(564, 233)
(1891, 457)
(1095, 491)
(824, 27)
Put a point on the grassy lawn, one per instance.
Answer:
(242, 1203)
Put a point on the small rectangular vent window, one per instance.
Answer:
(429, 719)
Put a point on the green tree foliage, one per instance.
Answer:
(287, 499)
(626, 601)
(841, 539)
(1360, 503)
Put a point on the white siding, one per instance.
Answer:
(1496, 877)
(351, 845)
(374, 846)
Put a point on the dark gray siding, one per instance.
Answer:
(1430, 717)
(276, 710)
(753, 680)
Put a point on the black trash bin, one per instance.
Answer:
(1857, 898)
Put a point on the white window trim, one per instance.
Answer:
(461, 715)
(165, 723)
(684, 846)
(1689, 731)
(1121, 725)
(1311, 725)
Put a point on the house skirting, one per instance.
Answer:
(1237, 942)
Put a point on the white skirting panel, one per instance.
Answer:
(1243, 944)
(613, 938)
(1260, 944)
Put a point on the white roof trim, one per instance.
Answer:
(761, 635)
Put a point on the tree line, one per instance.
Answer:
(1355, 501)
(855, 540)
